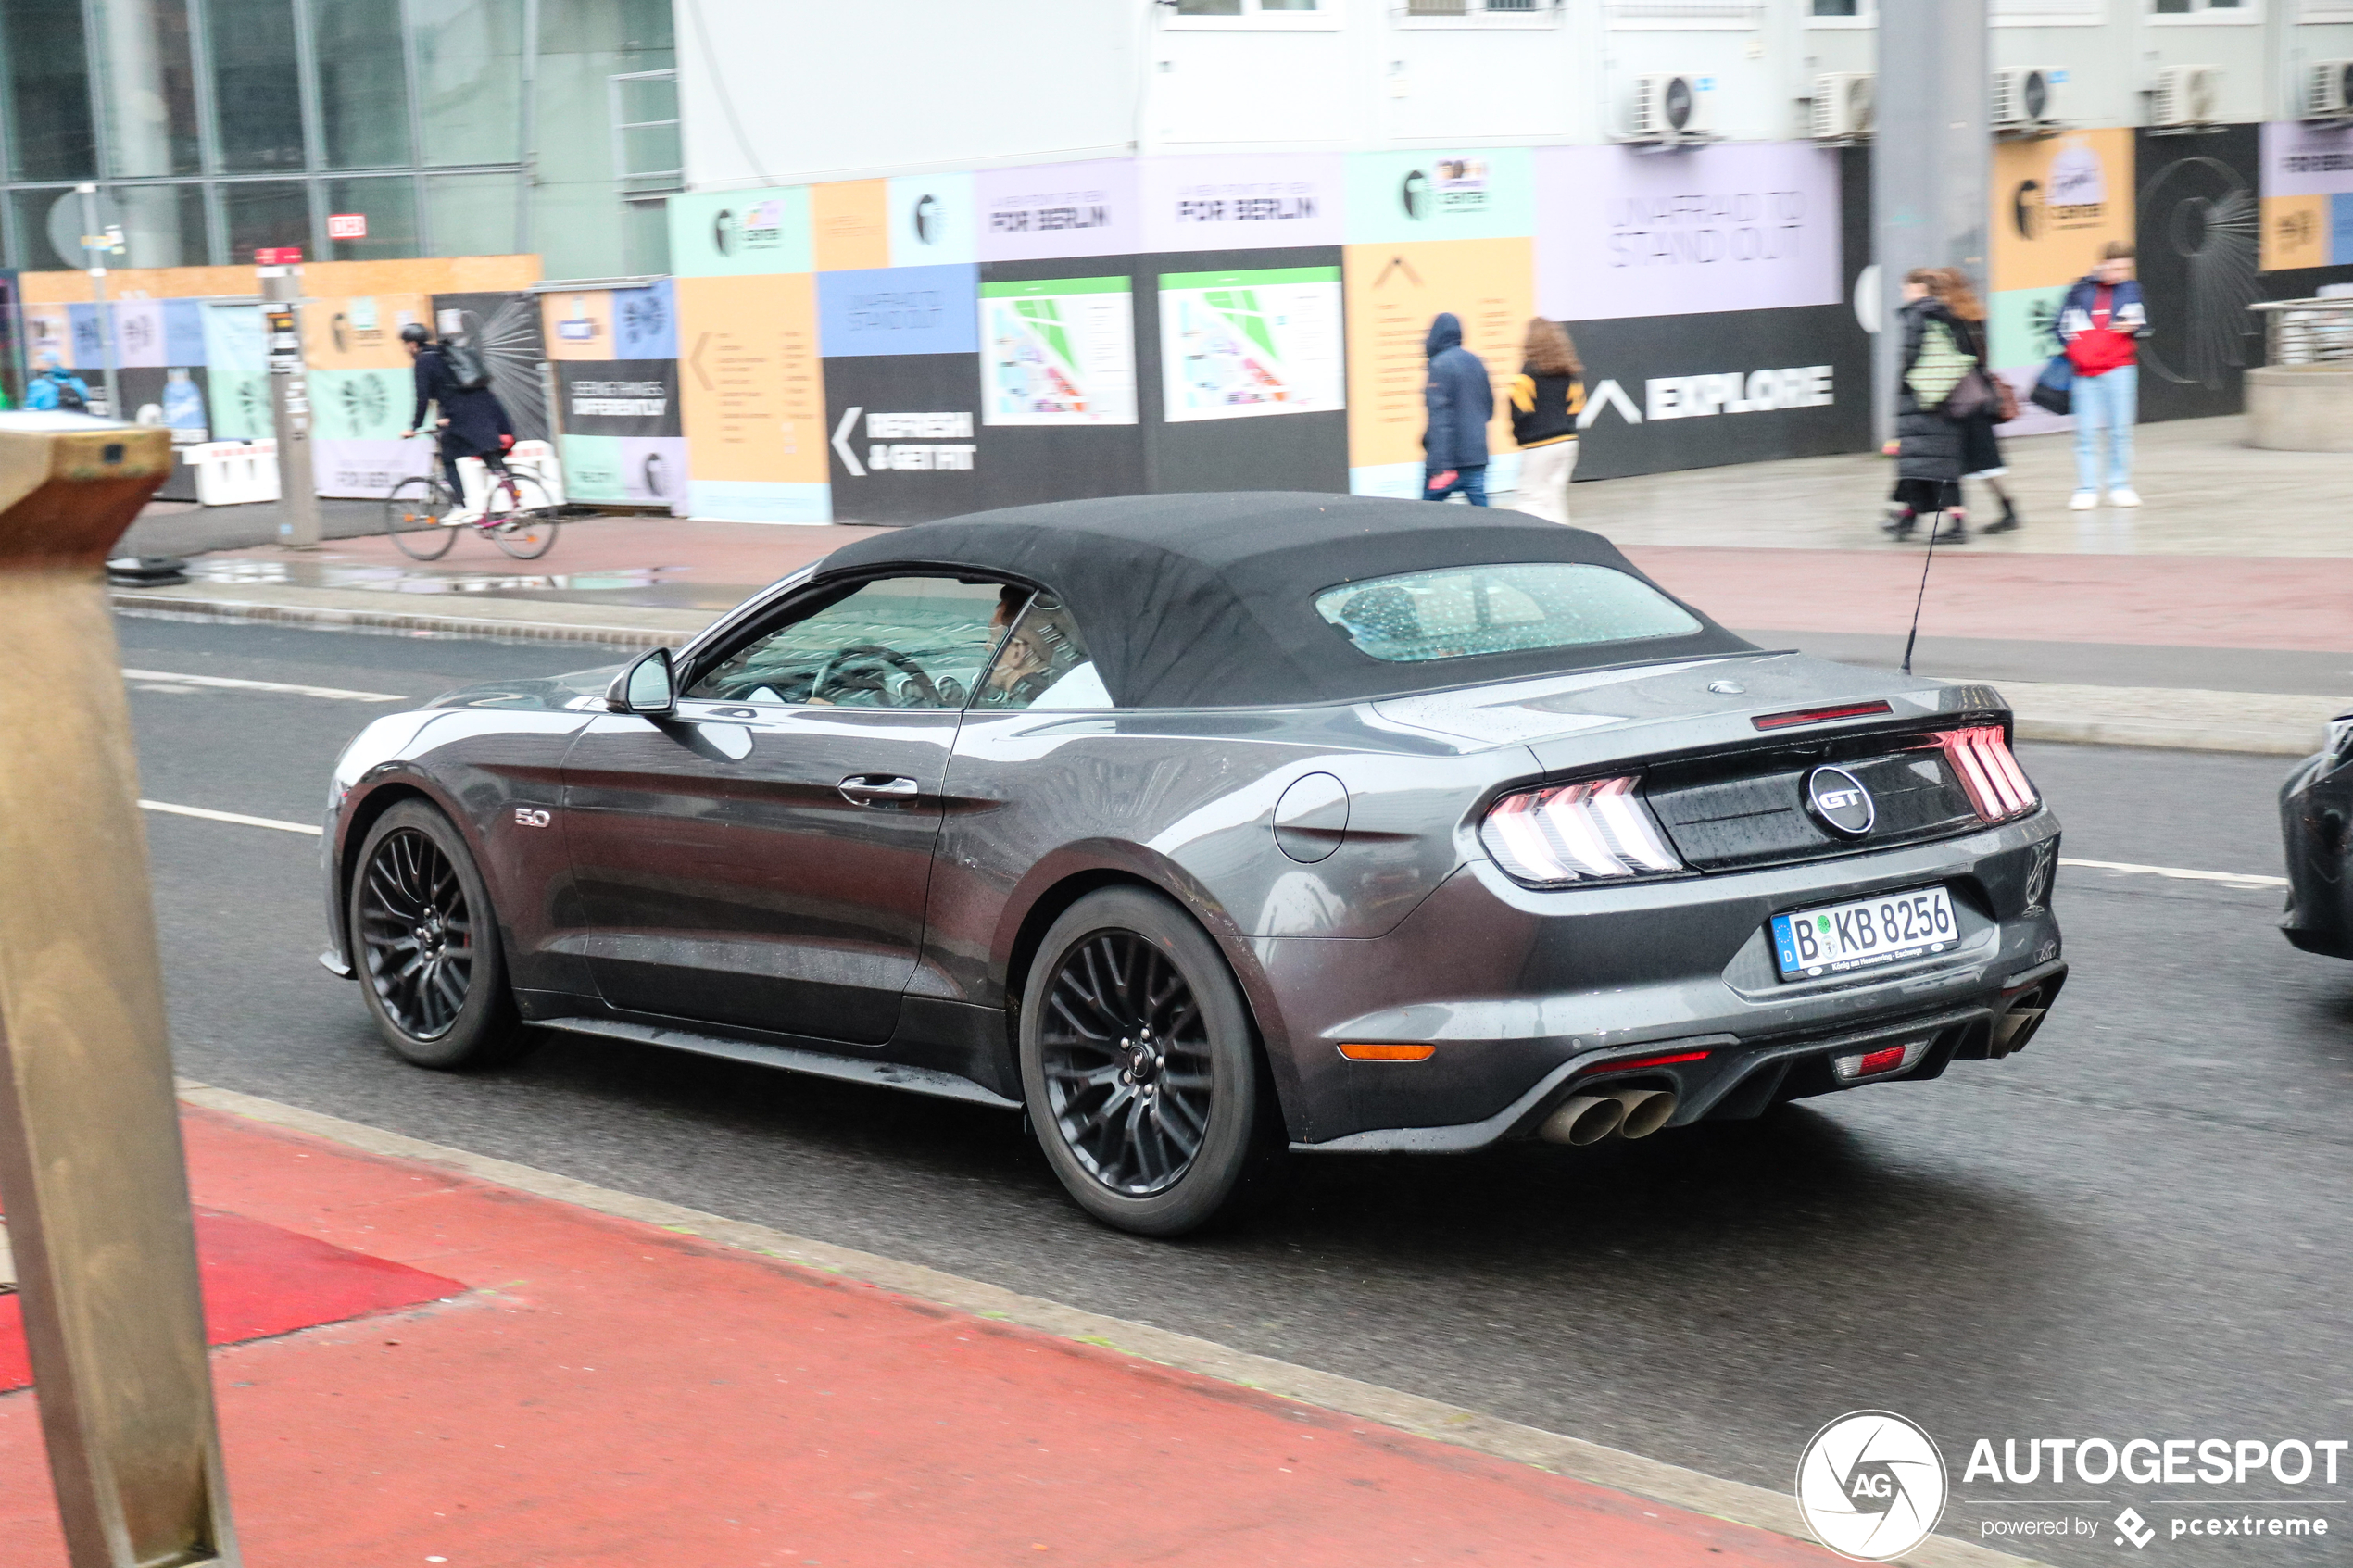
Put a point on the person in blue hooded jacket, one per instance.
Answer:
(1460, 401)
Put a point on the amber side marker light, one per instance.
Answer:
(1388, 1053)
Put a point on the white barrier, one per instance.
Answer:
(540, 478)
(234, 473)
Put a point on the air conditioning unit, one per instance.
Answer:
(2022, 99)
(1844, 105)
(2187, 96)
(2328, 90)
(1668, 105)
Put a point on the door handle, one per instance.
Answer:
(879, 789)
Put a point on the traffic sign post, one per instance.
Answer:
(289, 395)
(91, 1168)
(97, 243)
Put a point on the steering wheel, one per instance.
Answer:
(860, 668)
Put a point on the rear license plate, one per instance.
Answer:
(1841, 938)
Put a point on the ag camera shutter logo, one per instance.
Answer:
(1871, 1486)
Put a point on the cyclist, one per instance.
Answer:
(471, 423)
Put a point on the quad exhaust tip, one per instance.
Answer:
(1628, 1113)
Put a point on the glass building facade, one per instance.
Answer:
(214, 128)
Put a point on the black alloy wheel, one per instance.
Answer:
(1142, 1068)
(1127, 1062)
(427, 944)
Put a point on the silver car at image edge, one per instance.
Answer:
(1207, 828)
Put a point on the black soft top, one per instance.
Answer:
(1208, 600)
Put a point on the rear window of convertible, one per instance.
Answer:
(1455, 613)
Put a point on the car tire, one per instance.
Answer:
(1113, 1105)
(415, 889)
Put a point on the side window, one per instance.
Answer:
(1043, 663)
(890, 642)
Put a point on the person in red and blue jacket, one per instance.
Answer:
(2100, 323)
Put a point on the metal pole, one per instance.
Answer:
(290, 407)
(1931, 160)
(94, 257)
(91, 1168)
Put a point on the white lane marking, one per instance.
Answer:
(237, 816)
(335, 692)
(2243, 878)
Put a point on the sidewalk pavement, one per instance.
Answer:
(422, 1366)
(2218, 615)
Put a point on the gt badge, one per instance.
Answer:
(533, 817)
(1839, 802)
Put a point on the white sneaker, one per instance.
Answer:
(463, 518)
(2084, 501)
(2123, 496)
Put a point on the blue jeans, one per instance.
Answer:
(2108, 403)
(1470, 480)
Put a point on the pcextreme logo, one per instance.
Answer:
(1871, 1486)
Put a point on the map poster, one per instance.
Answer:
(1234, 344)
(1058, 351)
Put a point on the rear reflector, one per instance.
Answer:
(1651, 1061)
(1873, 1064)
(1820, 715)
(1388, 1053)
(1980, 758)
(1586, 832)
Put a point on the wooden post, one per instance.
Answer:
(91, 1168)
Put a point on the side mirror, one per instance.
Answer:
(646, 687)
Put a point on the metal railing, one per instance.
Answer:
(2306, 332)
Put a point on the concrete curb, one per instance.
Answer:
(2180, 719)
(1571, 1457)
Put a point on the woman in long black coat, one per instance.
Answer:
(471, 424)
(1927, 453)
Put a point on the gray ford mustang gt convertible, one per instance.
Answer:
(1205, 827)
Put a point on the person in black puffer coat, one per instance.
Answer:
(1927, 455)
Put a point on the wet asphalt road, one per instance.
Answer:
(2138, 1229)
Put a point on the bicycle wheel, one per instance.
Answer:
(412, 517)
(524, 535)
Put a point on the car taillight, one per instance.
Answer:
(1980, 758)
(1591, 831)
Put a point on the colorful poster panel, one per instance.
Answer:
(752, 399)
(645, 321)
(1058, 351)
(2057, 201)
(738, 233)
(898, 310)
(1243, 203)
(48, 329)
(357, 418)
(849, 225)
(2200, 247)
(362, 331)
(2306, 178)
(906, 443)
(1438, 194)
(577, 324)
(505, 327)
(1735, 226)
(1051, 211)
(1694, 392)
(236, 384)
(932, 221)
(628, 470)
(172, 396)
(1235, 345)
(1394, 291)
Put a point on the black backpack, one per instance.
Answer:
(466, 366)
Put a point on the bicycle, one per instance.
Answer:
(418, 508)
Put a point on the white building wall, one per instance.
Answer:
(787, 90)
(780, 91)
